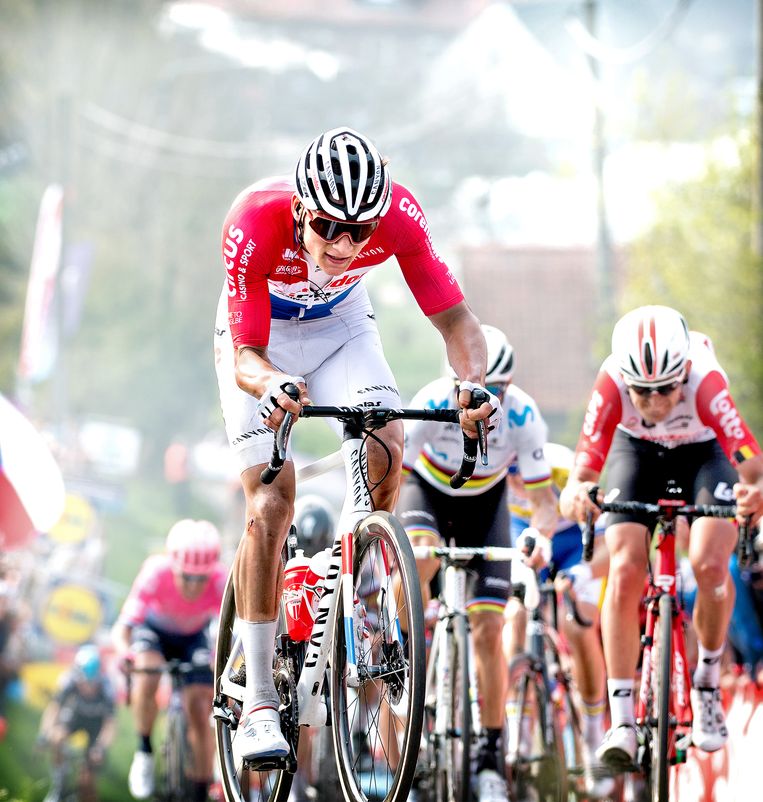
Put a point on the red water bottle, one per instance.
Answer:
(312, 588)
(298, 625)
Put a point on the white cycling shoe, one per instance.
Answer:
(708, 731)
(491, 787)
(599, 782)
(618, 749)
(140, 780)
(259, 735)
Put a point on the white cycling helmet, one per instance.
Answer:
(500, 356)
(194, 546)
(651, 345)
(341, 174)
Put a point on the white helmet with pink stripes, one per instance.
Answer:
(194, 546)
(651, 345)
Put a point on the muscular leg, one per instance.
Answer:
(197, 701)
(492, 670)
(620, 612)
(712, 542)
(385, 495)
(269, 510)
(143, 697)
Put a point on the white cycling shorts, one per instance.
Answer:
(340, 357)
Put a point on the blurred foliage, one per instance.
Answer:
(699, 257)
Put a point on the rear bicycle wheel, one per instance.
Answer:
(240, 782)
(661, 676)
(377, 717)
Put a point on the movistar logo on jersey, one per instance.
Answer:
(518, 419)
(440, 405)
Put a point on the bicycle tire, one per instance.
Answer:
(454, 775)
(239, 783)
(661, 674)
(374, 761)
(175, 753)
(541, 765)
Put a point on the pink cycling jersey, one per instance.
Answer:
(155, 599)
(704, 412)
(271, 276)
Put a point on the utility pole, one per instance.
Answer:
(603, 274)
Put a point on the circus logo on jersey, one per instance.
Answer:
(727, 415)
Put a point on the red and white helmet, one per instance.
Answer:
(194, 546)
(651, 345)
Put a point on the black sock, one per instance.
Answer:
(200, 791)
(144, 744)
(488, 756)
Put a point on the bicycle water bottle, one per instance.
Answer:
(294, 574)
(311, 586)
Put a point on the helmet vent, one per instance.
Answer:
(648, 358)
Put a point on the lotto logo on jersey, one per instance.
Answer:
(727, 415)
(592, 415)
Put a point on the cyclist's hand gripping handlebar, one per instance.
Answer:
(593, 495)
(278, 457)
(471, 444)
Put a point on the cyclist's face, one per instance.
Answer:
(654, 407)
(332, 257)
(191, 586)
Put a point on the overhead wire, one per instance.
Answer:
(609, 54)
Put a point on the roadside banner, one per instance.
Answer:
(39, 339)
(31, 486)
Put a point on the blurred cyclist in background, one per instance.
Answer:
(585, 581)
(166, 616)
(315, 520)
(477, 515)
(83, 702)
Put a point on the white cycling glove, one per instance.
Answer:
(267, 403)
(542, 543)
(493, 400)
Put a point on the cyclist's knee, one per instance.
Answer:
(487, 631)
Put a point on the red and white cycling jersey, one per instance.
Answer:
(271, 276)
(705, 411)
(154, 599)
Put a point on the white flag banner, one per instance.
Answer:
(38, 338)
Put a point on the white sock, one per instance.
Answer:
(708, 671)
(592, 721)
(258, 639)
(620, 692)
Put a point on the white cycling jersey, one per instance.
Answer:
(434, 450)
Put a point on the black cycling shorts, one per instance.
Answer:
(146, 638)
(474, 521)
(642, 471)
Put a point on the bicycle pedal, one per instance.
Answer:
(267, 763)
(225, 715)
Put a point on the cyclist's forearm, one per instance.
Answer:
(544, 511)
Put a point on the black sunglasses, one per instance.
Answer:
(199, 578)
(664, 389)
(331, 230)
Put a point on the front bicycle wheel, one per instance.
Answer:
(175, 753)
(535, 763)
(660, 745)
(240, 782)
(378, 711)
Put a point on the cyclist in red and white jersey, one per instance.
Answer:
(294, 311)
(661, 410)
(166, 616)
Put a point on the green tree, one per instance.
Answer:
(699, 257)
